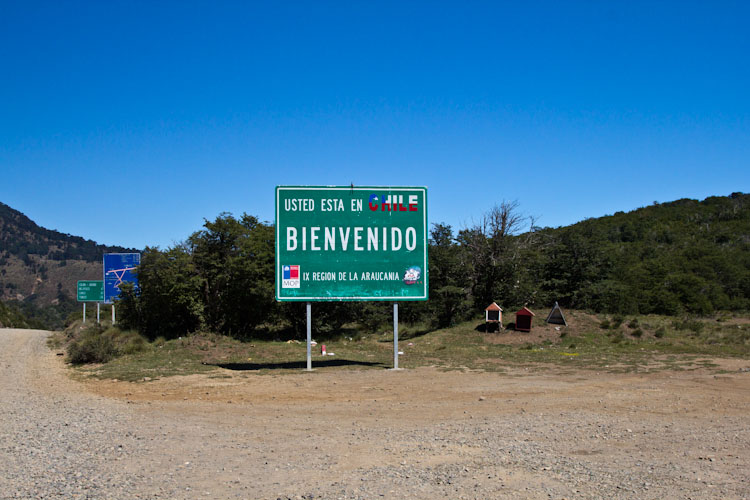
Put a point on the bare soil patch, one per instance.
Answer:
(541, 332)
(529, 432)
(543, 431)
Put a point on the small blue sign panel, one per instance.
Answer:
(119, 268)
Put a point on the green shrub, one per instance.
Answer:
(134, 344)
(617, 321)
(604, 325)
(96, 345)
(637, 333)
(91, 347)
(660, 332)
(694, 325)
(633, 323)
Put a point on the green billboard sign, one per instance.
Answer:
(351, 243)
(90, 291)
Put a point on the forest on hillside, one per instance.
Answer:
(38, 269)
(684, 257)
(22, 237)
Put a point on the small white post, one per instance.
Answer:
(309, 337)
(97, 313)
(113, 314)
(84, 313)
(395, 335)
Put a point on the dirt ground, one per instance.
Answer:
(371, 433)
(424, 433)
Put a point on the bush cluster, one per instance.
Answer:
(694, 325)
(98, 345)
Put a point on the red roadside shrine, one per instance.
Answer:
(523, 319)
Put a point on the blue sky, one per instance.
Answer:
(130, 122)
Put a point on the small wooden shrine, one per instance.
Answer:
(493, 314)
(523, 319)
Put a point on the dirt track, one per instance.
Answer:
(371, 433)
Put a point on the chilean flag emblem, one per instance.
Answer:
(291, 272)
(290, 277)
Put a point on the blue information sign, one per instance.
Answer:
(119, 268)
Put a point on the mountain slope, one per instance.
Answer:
(683, 256)
(39, 267)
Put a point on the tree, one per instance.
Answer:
(169, 303)
(235, 259)
(449, 293)
(495, 254)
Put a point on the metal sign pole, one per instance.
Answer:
(309, 336)
(97, 313)
(113, 314)
(84, 313)
(395, 335)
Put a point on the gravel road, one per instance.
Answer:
(370, 434)
(55, 441)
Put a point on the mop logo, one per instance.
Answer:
(412, 275)
(290, 277)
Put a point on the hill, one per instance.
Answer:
(682, 256)
(39, 267)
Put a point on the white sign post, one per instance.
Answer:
(395, 336)
(309, 337)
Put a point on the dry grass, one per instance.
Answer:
(583, 344)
